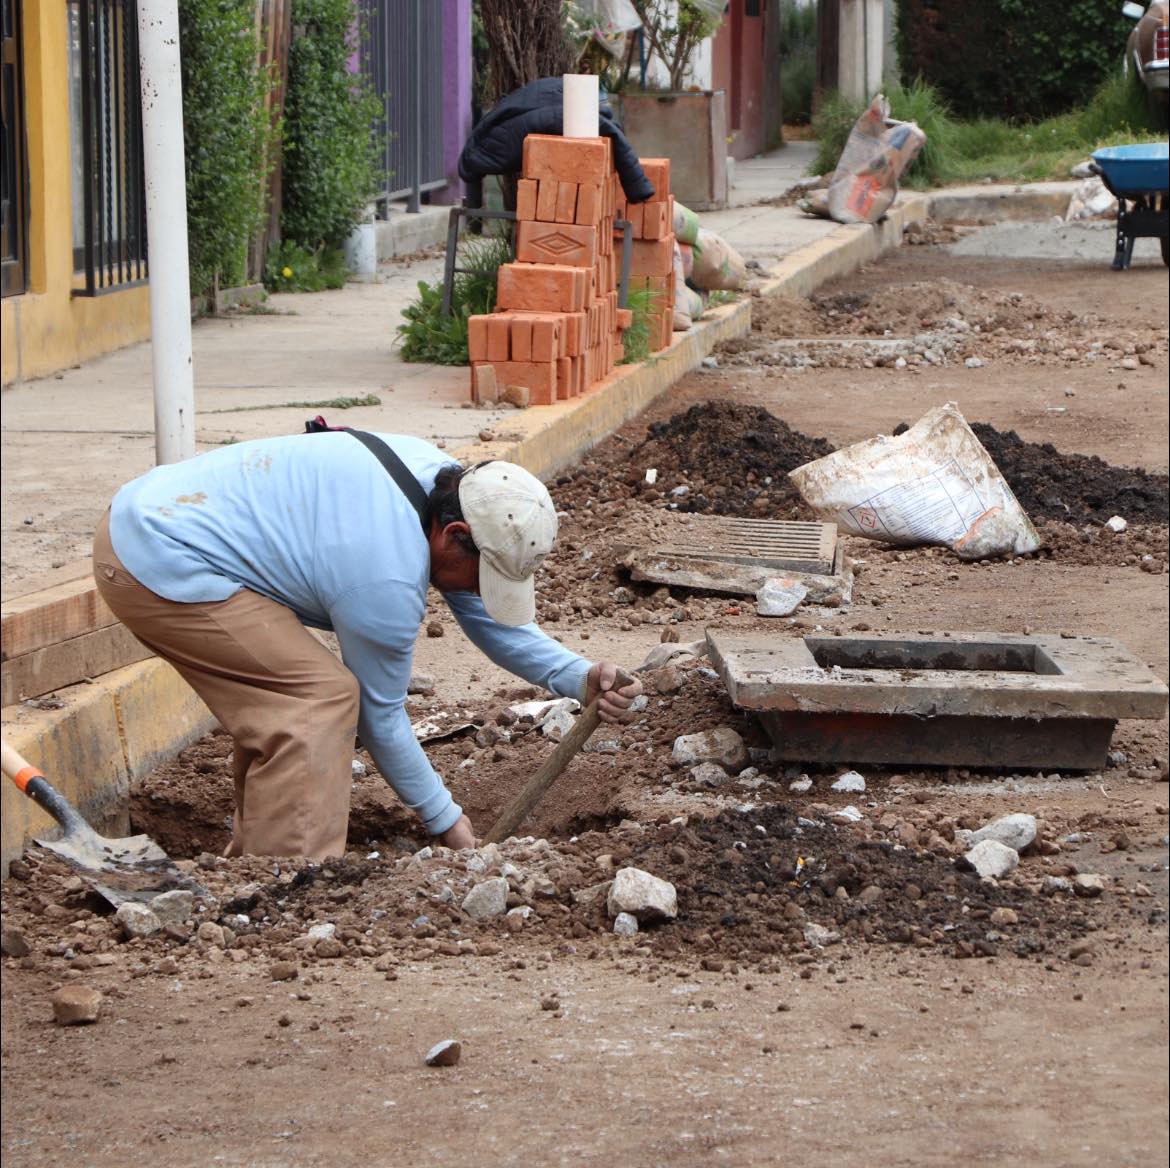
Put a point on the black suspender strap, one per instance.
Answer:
(393, 465)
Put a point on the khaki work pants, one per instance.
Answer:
(289, 704)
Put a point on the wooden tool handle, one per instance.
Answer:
(515, 813)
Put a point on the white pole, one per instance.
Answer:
(166, 230)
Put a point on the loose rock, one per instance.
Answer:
(76, 1005)
(850, 782)
(722, 745)
(1016, 831)
(444, 1054)
(489, 898)
(642, 895)
(136, 920)
(625, 924)
(991, 858)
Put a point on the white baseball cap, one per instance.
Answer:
(514, 524)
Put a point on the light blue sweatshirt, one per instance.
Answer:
(314, 522)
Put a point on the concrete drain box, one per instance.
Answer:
(949, 699)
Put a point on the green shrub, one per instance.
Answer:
(292, 268)
(1014, 59)
(226, 134)
(329, 116)
(427, 335)
(636, 339)
(798, 61)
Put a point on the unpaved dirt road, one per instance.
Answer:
(949, 1021)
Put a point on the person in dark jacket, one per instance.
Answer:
(496, 144)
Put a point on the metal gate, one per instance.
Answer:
(402, 54)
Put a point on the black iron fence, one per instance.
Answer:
(402, 54)
(109, 217)
(13, 180)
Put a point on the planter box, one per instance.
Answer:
(688, 128)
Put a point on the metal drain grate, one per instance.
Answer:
(790, 545)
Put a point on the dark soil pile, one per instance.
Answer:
(1078, 488)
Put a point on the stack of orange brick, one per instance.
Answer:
(652, 262)
(557, 326)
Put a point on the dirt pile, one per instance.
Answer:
(1076, 488)
(935, 322)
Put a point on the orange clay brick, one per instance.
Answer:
(526, 191)
(540, 288)
(625, 317)
(497, 342)
(566, 202)
(580, 288)
(574, 330)
(556, 243)
(588, 204)
(546, 200)
(521, 334)
(546, 338)
(655, 220)
(564, 378)
(633, 216)
(538, 377)
(574, 160)
(484, 389)
(477, 338)
(652, 257)
(657, 170)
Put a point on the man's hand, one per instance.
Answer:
(459, 835)
(615, 688)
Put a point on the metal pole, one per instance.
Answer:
(166, 230)
(413, 203)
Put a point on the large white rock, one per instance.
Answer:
(780, 596)
(489, 898)
(722, 745)
(991, 858)
(174, 907)
(1014, 831)
(137, 920)
(850, 782)
(643, 896)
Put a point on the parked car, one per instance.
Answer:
(1147, 52)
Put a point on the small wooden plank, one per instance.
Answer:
(68, 662)
(56, 614)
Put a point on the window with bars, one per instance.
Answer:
(13, 180)
(109, 200)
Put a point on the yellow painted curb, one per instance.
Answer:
(107, 734)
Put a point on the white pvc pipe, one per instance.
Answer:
(166, 229)
(580, 111)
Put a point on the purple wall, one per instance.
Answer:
(456, 93)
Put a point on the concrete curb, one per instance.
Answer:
(106, 735)
(124, 724)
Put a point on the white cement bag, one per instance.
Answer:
(934, 484)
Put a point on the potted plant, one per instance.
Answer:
(684, 123)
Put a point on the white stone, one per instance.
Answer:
(321, 932)
(1015, 831)
(1054, 884)
(974, 363)
(850, 783)
(357, 769)
(848, 814)
(709, 774)
(644, 896)
(137, 920)
(558, 721)
(801, 786)
(444, 1054)
(1116, 524)
(722, 745)
(991, 858)
(780, 596)
(174, 907)
(489, 898)
(625, 924)
(520, 913)
(819, 936)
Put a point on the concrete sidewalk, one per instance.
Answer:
(70, 441)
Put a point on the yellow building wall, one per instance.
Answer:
(48, 328)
